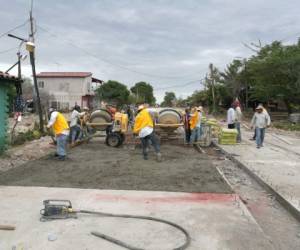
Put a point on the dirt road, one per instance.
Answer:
(95, 165)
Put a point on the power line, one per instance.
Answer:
(8, 50)
(181, 85)
(106, 61)
(17, 27)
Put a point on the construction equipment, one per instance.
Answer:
(62, 209)
(57, 209)
(169, 119)
(115, 127)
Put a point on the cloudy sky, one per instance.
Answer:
(166, 43)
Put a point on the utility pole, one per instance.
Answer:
(31, 48)
(212, 83)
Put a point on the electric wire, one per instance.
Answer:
(181, 85)
(8, 50)
(70, 42)
(127, 246)
(17, 27)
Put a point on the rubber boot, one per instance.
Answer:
(158, 157)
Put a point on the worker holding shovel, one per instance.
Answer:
(61, 130)
(144, 127)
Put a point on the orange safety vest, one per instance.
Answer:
(60, 124)
(194, 119)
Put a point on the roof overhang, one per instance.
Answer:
(64, 74)
(97, 80)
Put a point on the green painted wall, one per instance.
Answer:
(3, 116)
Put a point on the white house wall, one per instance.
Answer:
(67, 90)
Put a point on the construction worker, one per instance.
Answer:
(187, 126)
(75, 128)
(112, 109)
(194, 121)
(238, 119)
(264, 111)
(260, 121)
(144, 127)
(61, 130)
(199, 126)
(231, 117)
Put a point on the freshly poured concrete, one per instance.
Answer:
(214, 221)
(277, 163)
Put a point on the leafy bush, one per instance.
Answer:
(286, 125)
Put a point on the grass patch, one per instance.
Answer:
(286, 125)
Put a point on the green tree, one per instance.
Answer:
(143, 93)
(11, 96)
(113, 91)
(232, 78)
(199, 97)
(27, 88)
(275, 74)
(210, 82)
(169, 99)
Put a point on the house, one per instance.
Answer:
(65, 89)
(6, 81)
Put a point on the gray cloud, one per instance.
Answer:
(163, 38)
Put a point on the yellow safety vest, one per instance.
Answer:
(60, 124)
(142, 120)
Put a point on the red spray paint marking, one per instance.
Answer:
(180, 198)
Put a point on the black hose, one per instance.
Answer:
(123, 244)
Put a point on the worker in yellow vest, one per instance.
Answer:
(144, 127)
(61, 130)
(195, 123)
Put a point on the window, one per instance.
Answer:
(41, 84)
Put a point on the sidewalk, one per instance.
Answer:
(276, 165)
(214, 221)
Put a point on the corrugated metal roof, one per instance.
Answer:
(6, 76)
(64, 74)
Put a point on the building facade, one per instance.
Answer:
(6, 81)
(66, 89)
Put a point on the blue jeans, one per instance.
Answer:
(187, 135)
(196, 134)
(238, 127)
(75, 130)
(260, 136)
(61, 144)
(154, 142)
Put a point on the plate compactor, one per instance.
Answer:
(62, 209)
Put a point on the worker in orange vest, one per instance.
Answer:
(61, 130)
(195, 124)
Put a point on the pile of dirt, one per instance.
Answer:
(95, 165)
(32, 150)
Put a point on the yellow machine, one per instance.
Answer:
(120, 123)
(116, 133)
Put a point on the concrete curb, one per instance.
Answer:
(286, 204)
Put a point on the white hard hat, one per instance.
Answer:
(140, 107)
(200, 108)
